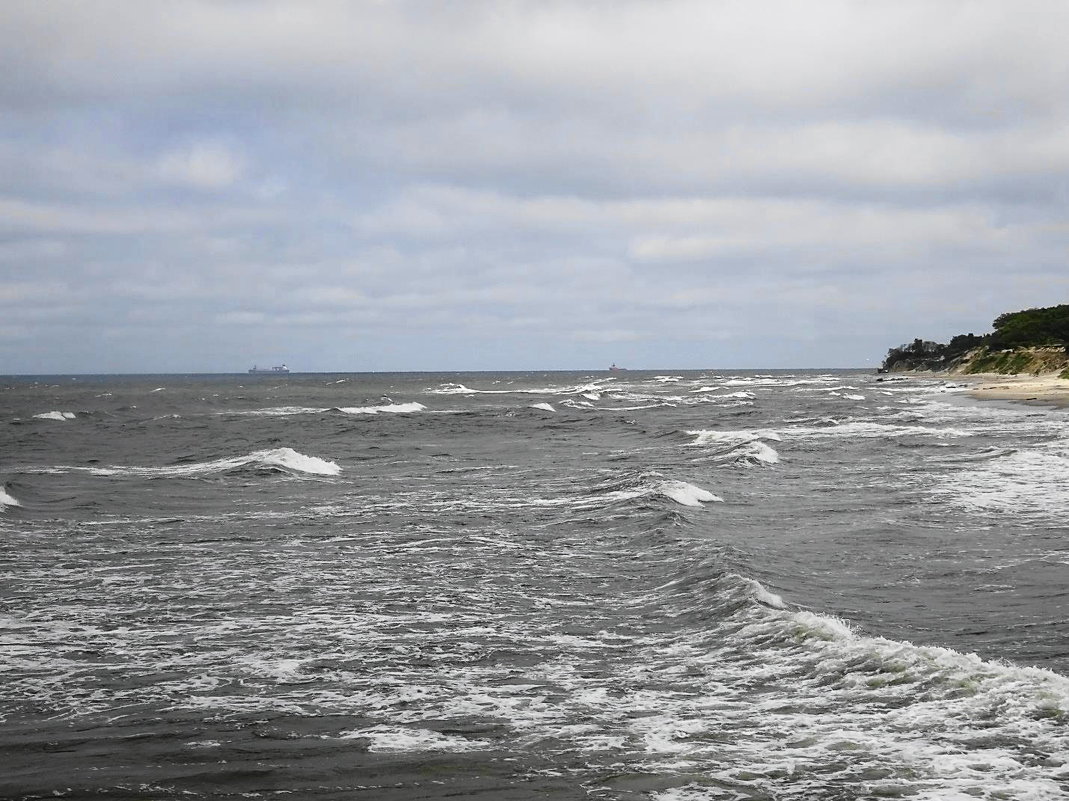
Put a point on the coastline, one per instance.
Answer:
(1046, 389)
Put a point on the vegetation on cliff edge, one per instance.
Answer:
(997, 352)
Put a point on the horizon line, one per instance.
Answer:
(442, 372)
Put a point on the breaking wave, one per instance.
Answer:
(737, 447)
(863, 429)
(390, 408)
(61, 416)
(284, 460)
(1027, 483)
(591, 391)
(858, 708)
(288, 411)
(686, 494)
(651, 484)
(741, 394)
(6, 499)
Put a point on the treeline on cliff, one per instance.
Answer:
(1031, 328)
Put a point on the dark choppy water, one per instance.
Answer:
(673, 587)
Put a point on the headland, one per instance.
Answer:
(1025, 358)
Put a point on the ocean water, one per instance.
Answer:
(665, 586)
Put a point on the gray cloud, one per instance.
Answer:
(420, 185)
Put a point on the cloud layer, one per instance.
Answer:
(523, 185)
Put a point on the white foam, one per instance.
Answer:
(590, 389)
(759, 702)
(543, 406)
(707, 437)
(586, 390)
(763, 596)
(1032, 483)
(285, 458)
(395, 739)
(756, 453)
(278, 411)
(686, 494)
(780, 381)
(741, 447)
(286, 411)
(739, 394)
(865, 429)
(916, 710)
(6, 499)
(391, 408)
(453, 389)
(292, 460)
(652, 483)
(61, 416)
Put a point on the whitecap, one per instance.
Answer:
(1027, 483)
(285, 459)
(543, 406)
(755, 452)
(387, 739)
(738, 394)
(453, 389)
(593, 388)
(947, 697)
(391, 408)
(865, 429)
(277, 411)
(763, 596)
(55, 416)
(645, 484)
(739, 447)
(292, 460)
(687, 494)
(707, 437)
(6, 499)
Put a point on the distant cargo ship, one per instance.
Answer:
(615, 369)
(280, 370)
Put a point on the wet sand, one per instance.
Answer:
(1045, 389)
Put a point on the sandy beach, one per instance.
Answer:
(1047, 389)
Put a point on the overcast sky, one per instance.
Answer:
(201, 186)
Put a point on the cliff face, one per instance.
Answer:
(1034, 341)
(1014, 361)
(1032, 361)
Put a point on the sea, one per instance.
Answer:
(660, 585)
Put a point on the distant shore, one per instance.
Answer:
(1047, 389)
